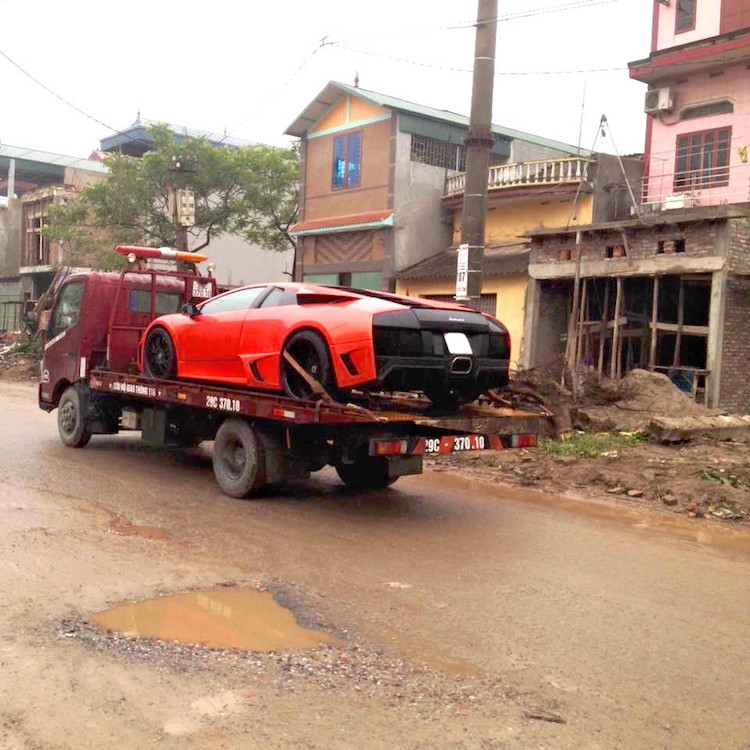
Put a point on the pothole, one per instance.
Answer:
(238, 618)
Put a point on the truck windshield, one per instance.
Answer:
(68, 309)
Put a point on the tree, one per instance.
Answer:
(249, 191)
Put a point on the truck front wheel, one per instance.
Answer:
(238, 458)
(71, 422)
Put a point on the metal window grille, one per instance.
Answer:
(702, 159)
(487, 302)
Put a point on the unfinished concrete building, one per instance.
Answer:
(668, 292)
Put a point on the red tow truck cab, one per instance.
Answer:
(96, 318)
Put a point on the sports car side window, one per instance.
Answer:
(278, 297)
(242, 299)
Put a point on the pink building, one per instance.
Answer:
(698, 103)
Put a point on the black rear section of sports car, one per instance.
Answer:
(413, 353)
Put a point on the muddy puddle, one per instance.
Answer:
(236, 618)
(701, 531)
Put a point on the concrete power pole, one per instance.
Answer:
(181, 201)
(478, 145)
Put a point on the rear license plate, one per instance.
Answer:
(456, 444)
(457, 343)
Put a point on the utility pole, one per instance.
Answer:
(479, 142)
(181, 201)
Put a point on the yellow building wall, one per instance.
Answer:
(511, 296)
(512, 218)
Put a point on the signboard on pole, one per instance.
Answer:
(462, 272)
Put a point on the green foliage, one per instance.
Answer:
(28, 346)
(249, 191)
(721, 477)
(592, 444)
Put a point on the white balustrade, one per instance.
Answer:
(521, 174)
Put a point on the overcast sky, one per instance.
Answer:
(251, 67)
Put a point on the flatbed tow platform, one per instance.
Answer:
(260, 438)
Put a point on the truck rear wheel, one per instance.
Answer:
(238, 458)
(71, 422)
(366, 473)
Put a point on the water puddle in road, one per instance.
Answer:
(725, 537)
(238, 618)
(122, 528)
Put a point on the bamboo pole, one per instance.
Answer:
(581, 319)
(654, 321)
(603, 330)
(680, 322)
(614, 363)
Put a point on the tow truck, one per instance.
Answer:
(92, 322)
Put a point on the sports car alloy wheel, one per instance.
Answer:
(309, 351)
(158, 355)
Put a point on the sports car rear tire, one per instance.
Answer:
(311, 353)
(159, 357)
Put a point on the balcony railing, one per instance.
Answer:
(546, 172)
(710, 186)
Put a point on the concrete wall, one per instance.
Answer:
(510, 291)
(732, 83)
(509, 218)
(422, 227)
(239, 263)
(10, 238)
(613, 199)
(707, 23)
(526, 151)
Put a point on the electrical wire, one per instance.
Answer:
(339, 45)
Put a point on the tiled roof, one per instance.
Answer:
(343, 222)
(500, 260)
(334, 90)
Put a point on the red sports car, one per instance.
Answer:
(344, 338)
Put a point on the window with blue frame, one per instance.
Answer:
(347, 161)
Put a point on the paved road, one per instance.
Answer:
(631, 627)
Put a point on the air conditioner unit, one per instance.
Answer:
(681, 200)
(658, 100)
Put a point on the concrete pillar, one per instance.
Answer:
(11, 178)
(532, 304)
(715, 342)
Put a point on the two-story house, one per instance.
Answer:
(668, 289)
(31, 181)
(381, 192)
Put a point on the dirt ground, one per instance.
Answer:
(703, 478)
(467, 614)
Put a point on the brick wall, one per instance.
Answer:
(739, 246)
(701, 239)
(735, 363)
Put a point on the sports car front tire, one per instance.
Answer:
(159, 357)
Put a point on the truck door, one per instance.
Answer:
(63, 339)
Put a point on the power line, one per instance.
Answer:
(468, 70)
(578, 4)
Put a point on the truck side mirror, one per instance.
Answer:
(191, 309)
